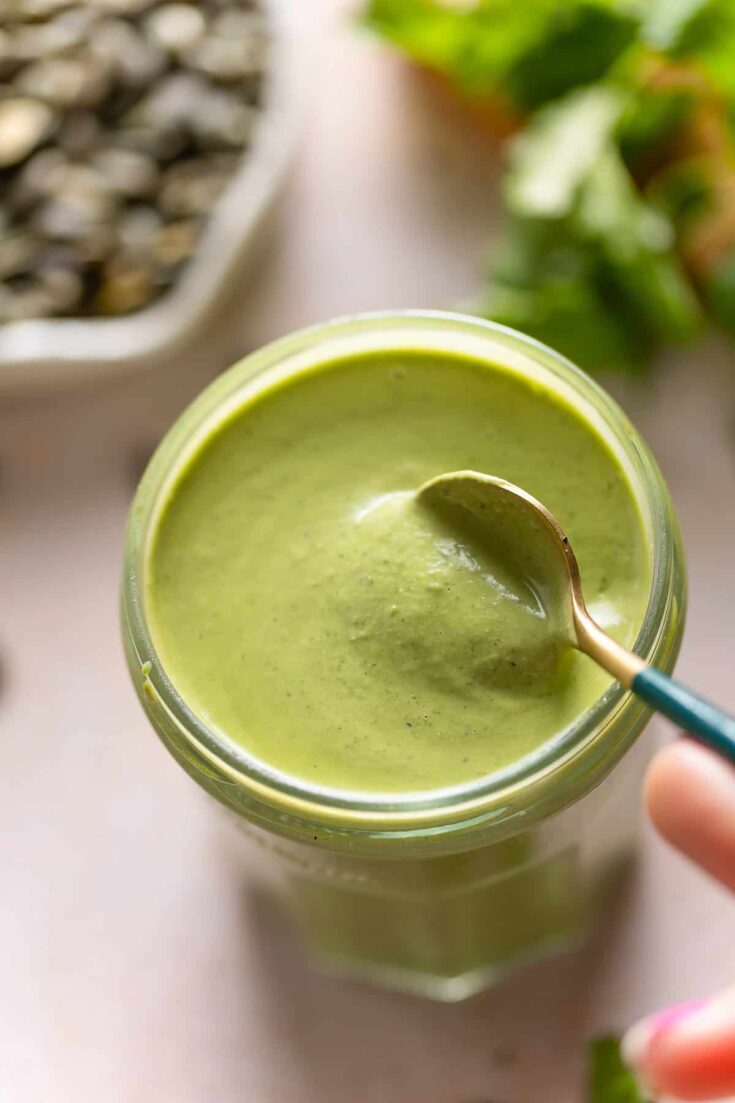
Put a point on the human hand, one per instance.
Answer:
(688, 1051)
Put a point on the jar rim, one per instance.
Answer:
(584, 751)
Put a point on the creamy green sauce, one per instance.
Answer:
(306, 605)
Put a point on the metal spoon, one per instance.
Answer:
(538, 531)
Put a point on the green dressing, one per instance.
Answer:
(308, 607)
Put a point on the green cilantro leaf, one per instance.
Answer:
(551, 158)
(587, 251)
(579, 45)
(719, 291)
(530, 52)
(702, 31)
(637, 255)
(671, 24)
(608, 1079)
(590, 262)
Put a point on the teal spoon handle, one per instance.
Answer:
(706, 723)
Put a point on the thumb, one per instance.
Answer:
(687, 1051)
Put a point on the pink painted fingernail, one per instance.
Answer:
(667, 1018)
(637, 1040)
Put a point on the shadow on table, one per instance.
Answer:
(351, 1040)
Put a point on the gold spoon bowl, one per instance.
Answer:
(541, 540)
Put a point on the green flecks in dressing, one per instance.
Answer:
(306, 605)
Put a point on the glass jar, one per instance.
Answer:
(436, 892)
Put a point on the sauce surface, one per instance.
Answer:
(309, 607)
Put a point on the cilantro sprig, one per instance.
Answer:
(620, 182)
(609, 1080)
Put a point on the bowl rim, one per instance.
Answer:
(46, 351)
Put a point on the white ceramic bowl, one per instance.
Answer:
(62, 350)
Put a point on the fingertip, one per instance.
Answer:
(640, 1052)
(668, 773)
(686, 1051)
(690, 797)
